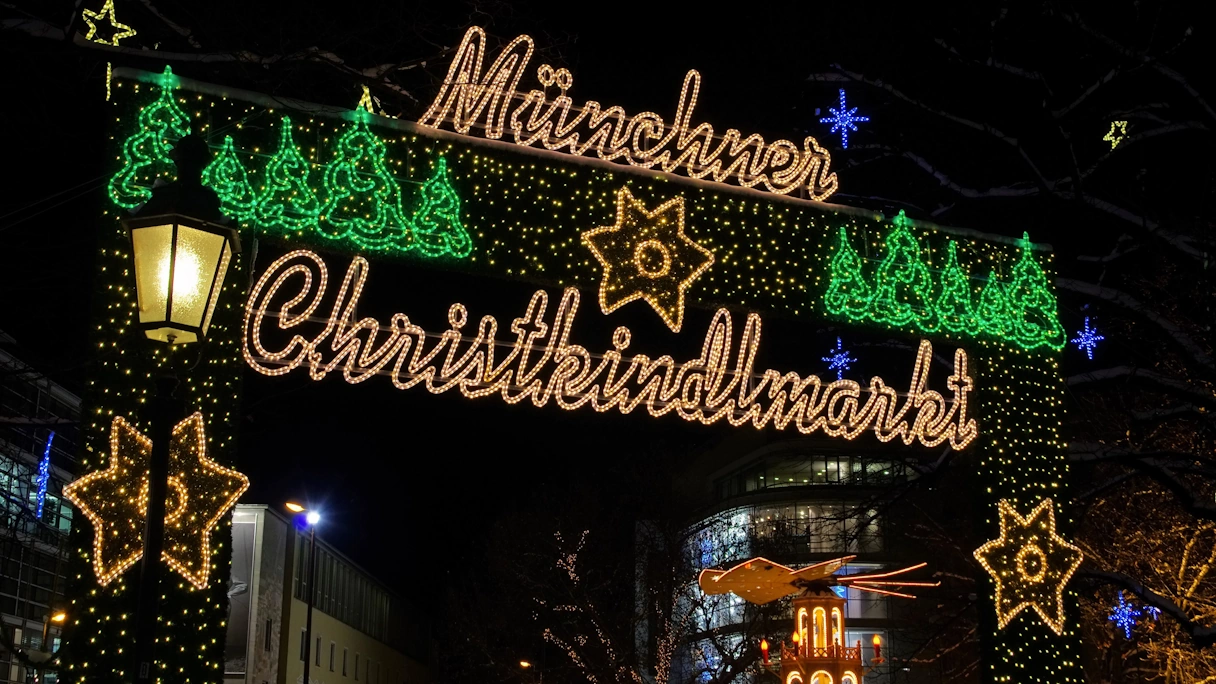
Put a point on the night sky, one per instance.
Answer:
(407, 477)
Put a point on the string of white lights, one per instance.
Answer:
(472, 96)
(704, 389)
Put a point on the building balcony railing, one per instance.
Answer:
(829, 652)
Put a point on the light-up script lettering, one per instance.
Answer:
(537, 362)
(472, 96)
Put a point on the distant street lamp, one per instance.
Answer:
(310, 519)
(181, 255)
(58, 618)
(526, 665)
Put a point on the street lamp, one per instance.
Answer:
(310, 519)
(181, 255)
(180, 265)
(58, 617)
(526, 665)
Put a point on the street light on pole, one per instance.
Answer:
(181, 255)
(309, 519)
(527, 665)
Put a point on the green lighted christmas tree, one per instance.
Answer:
(1034, 320)
(286, 201)
(146, 152)
(226, 175)
(363, 201)
(437, 227)
(848, 293)
(954, 309)
(994, 311)
(902, 285)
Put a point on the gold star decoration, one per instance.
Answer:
(107, 12)
(646, 255)
(1118, 131)
(1030, 565)
(200, 492)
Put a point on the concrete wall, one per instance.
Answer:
(376, 660)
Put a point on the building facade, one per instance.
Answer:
(38, 426)
(795, 502)
(360, 629)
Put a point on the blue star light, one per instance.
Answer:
(839, 361)
(44, 474)
(1125, 615)
(843, 120)
(1087, 339)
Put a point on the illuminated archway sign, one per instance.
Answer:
(542, 364)
(473, 97)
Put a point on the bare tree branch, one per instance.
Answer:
(1201, 635)
(1152, 63)
(1133, 373)
(1128, 302)
(960, 120)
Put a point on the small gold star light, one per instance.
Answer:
(646, 255)
(200, 492)
(119, 32)
(1030, 565)
(1118, 131)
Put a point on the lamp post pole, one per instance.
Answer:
(185, 211)
(312, 592)
(154, 529)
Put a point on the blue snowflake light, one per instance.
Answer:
(839, 360)
(1125, 615)
(44, 474)
(843, 120)
(1087, 339)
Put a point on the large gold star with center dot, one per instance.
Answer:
(1030, 565)
(646, 255)
(112, 500)
(199, 493)
(119, 32)
(204, 492)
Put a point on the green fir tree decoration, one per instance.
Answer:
(954, 309)
(363, 200)
(226, 175)
(903, 288)
(848, 292)
(286, 201)
(146, 152)
(1034, 321)
(437, 227)
(995, 311)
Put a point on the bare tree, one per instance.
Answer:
(1085, 127)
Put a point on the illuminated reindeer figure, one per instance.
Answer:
(818, 654)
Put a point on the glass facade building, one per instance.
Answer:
(794, 503)
(38, 433)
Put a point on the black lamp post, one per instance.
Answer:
(311, 519)
(181, 255)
